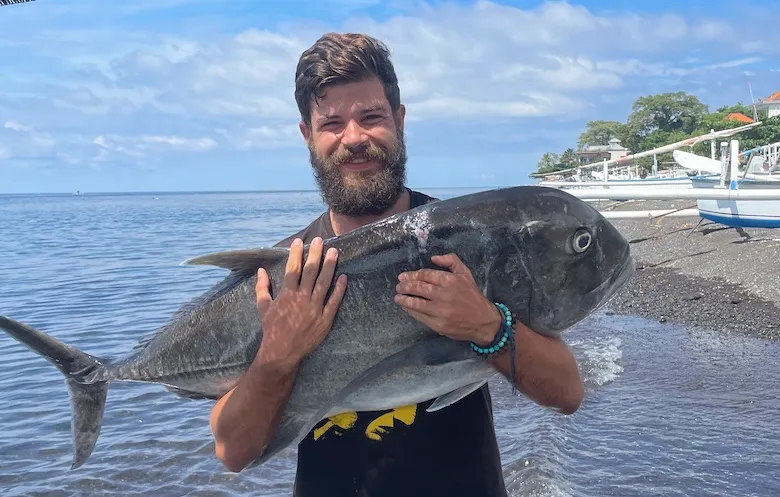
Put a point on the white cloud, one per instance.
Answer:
(24, 140)
(142, 147)
(13, 125)
(139, 95)
(264, 137)
(187, 144)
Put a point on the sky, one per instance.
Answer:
(197, 95)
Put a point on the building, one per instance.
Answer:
(771, 104)
(599, 153)
(738, 116)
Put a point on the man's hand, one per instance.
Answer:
(449, 302)
(299, 319)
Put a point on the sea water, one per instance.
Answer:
(668, 411)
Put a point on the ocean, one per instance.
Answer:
(669, 411)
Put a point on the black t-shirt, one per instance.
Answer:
(406, 452)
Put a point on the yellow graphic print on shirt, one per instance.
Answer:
(345, 421)
(376, 428)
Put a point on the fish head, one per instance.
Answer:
(567, 260)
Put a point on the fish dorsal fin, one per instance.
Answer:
(244, 260)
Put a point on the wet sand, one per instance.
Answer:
(711, 277)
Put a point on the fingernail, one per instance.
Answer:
(402, 276)
(317, 240)
(297, 242)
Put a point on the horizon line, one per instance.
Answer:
(136, 192)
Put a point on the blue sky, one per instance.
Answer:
(161, 95)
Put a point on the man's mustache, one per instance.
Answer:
(365, 152)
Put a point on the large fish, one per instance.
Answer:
(547, 255)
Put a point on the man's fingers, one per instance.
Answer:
(418, 288)
(325, 277)
(292, 275)
(432, 276)
(416, 304)
(329, 312)
(451, 262)
(312, 267)
(262, 290)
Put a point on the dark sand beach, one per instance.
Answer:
(712, 277)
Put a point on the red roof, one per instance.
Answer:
(738, 116)
(773, 97)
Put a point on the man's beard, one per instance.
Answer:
(365, 193)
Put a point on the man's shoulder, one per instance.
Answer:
(318, 227)
(321, 225)
(419, 198)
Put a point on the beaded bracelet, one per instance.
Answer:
(505, 334)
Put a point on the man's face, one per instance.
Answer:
(357, 149)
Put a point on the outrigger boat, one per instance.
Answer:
(723, 194)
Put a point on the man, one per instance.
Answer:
(352, 121)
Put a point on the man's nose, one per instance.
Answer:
(354, 135)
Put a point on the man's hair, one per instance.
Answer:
(343, 58)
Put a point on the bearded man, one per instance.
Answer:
(352, 121)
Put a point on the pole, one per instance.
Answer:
(643, 193)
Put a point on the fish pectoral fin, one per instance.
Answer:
(189, 394)
(377, 427)
(450, 398)
(433, 351)
(249, 260)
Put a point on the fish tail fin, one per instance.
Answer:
(87, 397)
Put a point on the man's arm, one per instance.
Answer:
(545, 369)
(450, 303)
(245, 419)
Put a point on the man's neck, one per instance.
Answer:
(342, 224)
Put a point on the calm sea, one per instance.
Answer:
(668, 411)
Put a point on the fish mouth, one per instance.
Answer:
(619, 278)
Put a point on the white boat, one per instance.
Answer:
(619, 172)
(728, 198)
(697, 162)
(740, 212)
(759, 166)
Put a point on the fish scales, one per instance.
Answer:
(547, 255)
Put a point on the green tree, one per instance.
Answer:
(550, 162)
(569, 158)
(669, 114)
(600, 132)
(658, 120)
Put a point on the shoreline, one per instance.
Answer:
(711, 277)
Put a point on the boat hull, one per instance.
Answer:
(742, 213)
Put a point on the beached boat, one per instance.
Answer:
(729, 198)
(762, 164)
(740, 212)
(622, 171)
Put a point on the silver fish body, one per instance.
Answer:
(547, 255)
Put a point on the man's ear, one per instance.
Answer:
(305, 131)
(400, 114)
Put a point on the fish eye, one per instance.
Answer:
(582, 240)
